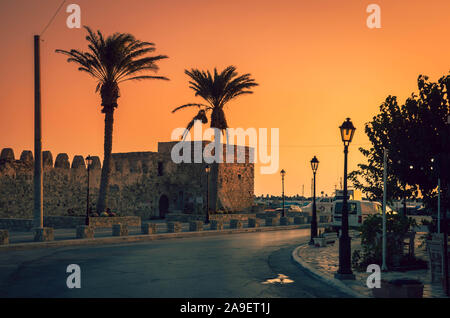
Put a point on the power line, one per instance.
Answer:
(311, 146)
(54, 16)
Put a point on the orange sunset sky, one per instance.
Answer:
(316, 62)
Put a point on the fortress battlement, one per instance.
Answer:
(145, 184)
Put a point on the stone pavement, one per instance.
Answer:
(323, 262)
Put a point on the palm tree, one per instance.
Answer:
(217, 91)
(116, 59)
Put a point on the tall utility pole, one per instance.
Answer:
(384, 266)
(439, 205)
(38, 175)
(444, 217)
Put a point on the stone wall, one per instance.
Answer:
(64, 184)
(219, 217)
(140, 182)
(13, 224)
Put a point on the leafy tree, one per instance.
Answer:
(217, 90)
(416, 137)
(116, 59)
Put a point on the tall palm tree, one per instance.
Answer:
(217, 90)
(116, 59)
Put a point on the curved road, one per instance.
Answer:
(228, 266)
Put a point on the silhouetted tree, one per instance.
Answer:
(414, 134)
(217, 90)
(116, 59)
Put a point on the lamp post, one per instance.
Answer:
(444, 211)
(314, 166)
(207, 170)
(345, 268)
(88, 163)
(283, 173)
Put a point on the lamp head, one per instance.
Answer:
(314, 164)
(347, 131)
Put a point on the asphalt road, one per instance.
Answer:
(240, 265)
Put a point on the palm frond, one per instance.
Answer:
(190, 105)
(144, 77)
(116, 58)
(219, 88)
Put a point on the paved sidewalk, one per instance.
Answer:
(323, 262)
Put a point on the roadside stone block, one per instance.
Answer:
(4, 237)
(173, 227)
(271, 221)
(85, 231)
(195, 226)
(120, 230)
(286, 220)
(235, 224)
(254, 222)
(43, 234)
(148, 228)
(216, 225)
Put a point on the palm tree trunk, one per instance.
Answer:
(218, 119)
(106, 169)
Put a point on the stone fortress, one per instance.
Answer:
(144, 184)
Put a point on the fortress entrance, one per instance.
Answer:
(163, 206)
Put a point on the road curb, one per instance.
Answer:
(143, 237)
(323, 277)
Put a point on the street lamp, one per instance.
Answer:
(88, 163)
(283, 173)
(314, 166)
(207, 170)
(345, 268)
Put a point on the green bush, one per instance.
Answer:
(397, 227)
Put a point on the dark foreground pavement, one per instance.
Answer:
(241, 265)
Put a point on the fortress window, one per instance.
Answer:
(239, 177)
(160, 168)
